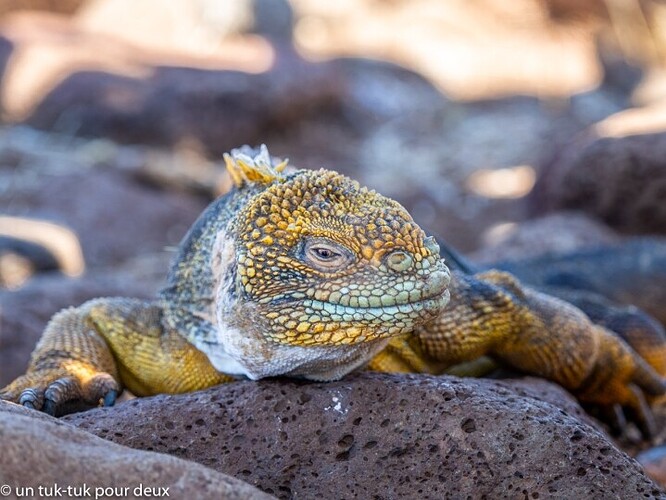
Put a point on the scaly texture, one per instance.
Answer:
(492, 315)
(391, 270)
(310, 275)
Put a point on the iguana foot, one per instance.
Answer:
(71, 368)
(617, 417)
(62, 391)
(621, 385)
(89, 354)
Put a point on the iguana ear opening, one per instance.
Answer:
(247, 165)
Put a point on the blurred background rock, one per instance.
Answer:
(507, 127)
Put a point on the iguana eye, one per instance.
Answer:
(325, 255)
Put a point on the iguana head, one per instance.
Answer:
(327, 262)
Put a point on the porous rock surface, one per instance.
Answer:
(384, 436)
(40, 451)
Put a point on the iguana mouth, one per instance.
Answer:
(377, 312)
(307, 322)
(405, 297)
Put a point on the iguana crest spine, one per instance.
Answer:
(244, 166)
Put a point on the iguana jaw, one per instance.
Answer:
(241, 346)
(324, 318)
(248, 353)
(247, 347)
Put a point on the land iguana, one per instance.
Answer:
(307, 274)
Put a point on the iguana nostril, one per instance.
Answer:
(431, 244)
(399, 261)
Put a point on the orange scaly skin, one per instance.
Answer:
(492, 314)
(310, 275)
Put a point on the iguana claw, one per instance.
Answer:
(57, 393)
(640, 413)
(110, 398)
(30, 398)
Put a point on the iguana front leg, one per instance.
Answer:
(90, 353)
(492, 314)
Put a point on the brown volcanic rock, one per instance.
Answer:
(40, 451)
(632, 272)
(384, 436)
(220, 109)
(621, 181)
(114, 216)
(559, 232)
